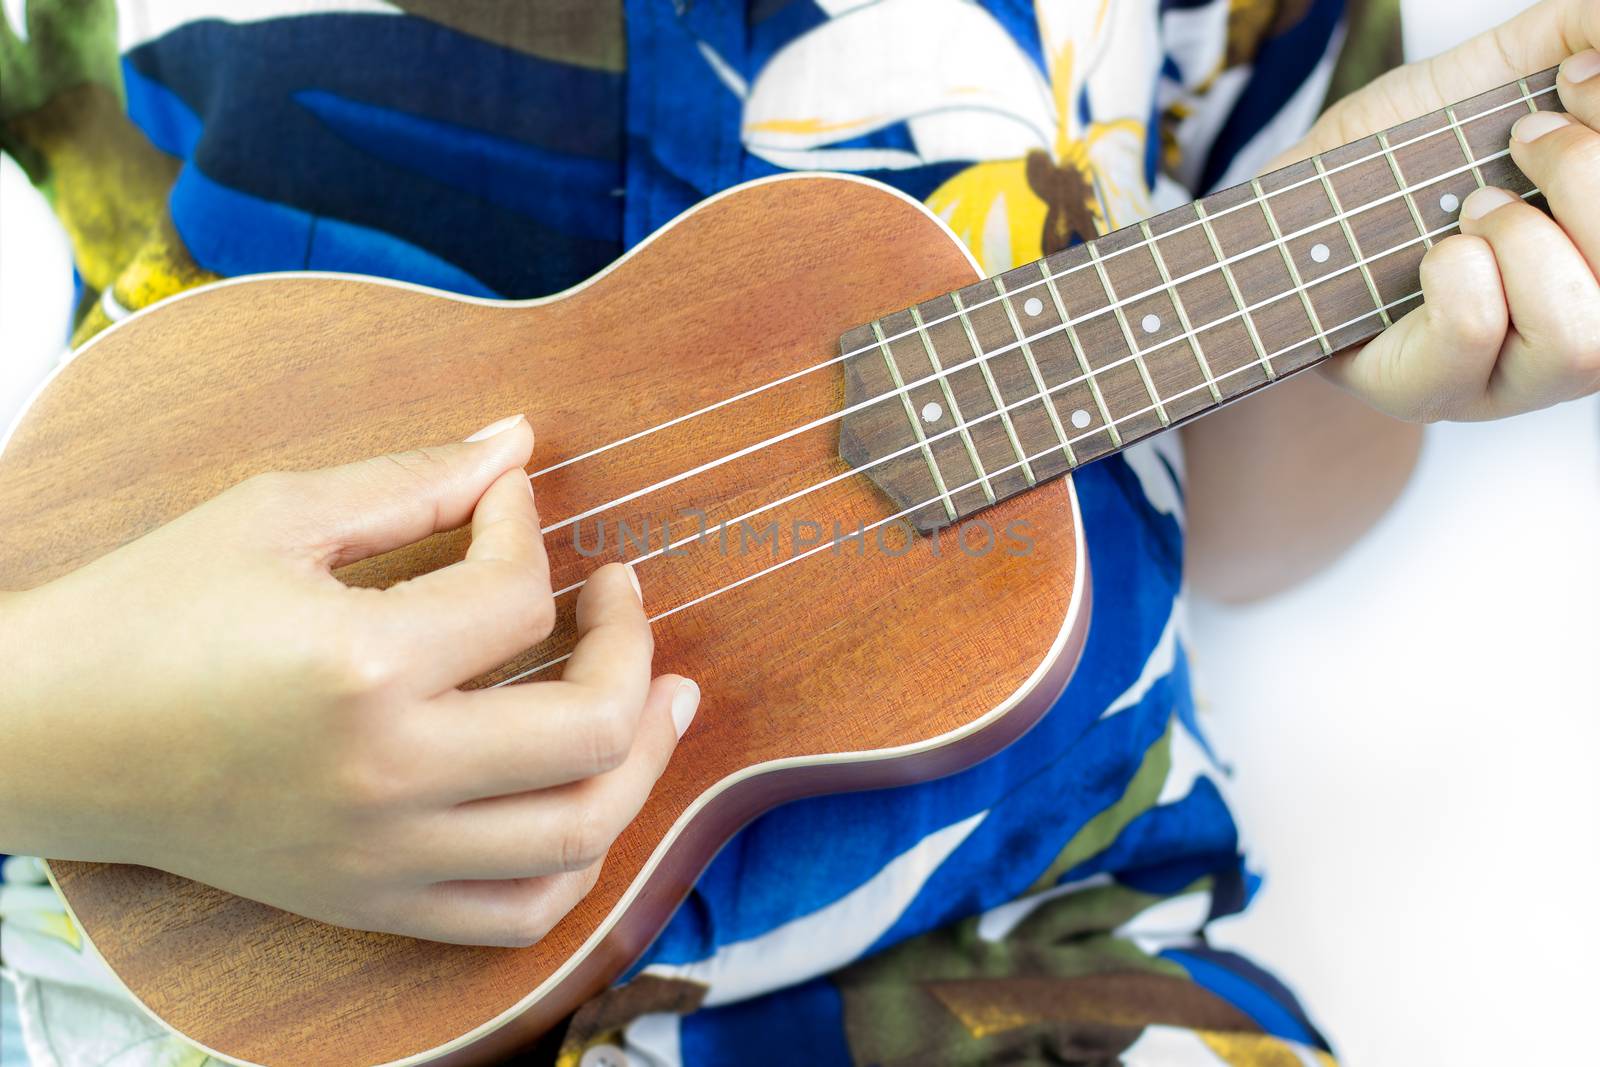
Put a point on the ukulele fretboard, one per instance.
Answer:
(980, 394)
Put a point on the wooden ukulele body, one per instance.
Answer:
(873, 663)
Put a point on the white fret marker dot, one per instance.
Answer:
(1151, 323)
(1080, 419)
(1448, 203)
(1033, 306)
(1320, 253)
(931, 412)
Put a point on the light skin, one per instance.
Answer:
(289, 739)
(1510, 323)
(277, 734)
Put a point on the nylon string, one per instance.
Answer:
(1253, 365)
(1388, 150)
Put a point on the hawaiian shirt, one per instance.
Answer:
(1048, 905)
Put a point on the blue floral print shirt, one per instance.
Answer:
(1048, 905)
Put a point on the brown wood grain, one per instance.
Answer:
(840, 653)
(1057, 363)
(843, 652)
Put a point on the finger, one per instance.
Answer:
(612, 657)
(451, 625)
(1554, 301)
(512, 913)
(1436, 362)
(342, 514)
(489, 742)
(1562, 156)
(1534, 40)
(1578, 84)
(566, 828)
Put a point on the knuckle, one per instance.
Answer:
(363, 784)
(609, 738)
(365, 867)
(526, 930)
(1579, 162)
(358, 677)
(591, 878)
(540, 619)
(370, 767)
(584, 840)
(1478, 324)
(636, 629)
(535, 613)
(354, 667)
(419, 463)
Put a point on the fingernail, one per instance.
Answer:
(498, 427)
(634, 578)
(685, 702)
(1530, 128)
(1581, 67)
(1485, 200)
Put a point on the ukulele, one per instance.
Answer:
(867, 551)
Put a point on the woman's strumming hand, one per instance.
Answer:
(211, 701)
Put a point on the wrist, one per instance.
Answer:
(46, 802)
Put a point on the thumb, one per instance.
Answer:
(1437, 361)
(344, 514)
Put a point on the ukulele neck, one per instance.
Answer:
(981, 394)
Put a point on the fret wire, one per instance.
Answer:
(902, 513)
(1077, 350)
(1257, 201)
(955, 409)
(1350, 236)
(842, 356)
(1044, 268)
(1404, 190)
(1466, 149)
(1306, 181)
(1108, 427)
(1145, 411)
(1183, 313)
(1527, 94)
(1033, 368)
(1400, 182)
(1233, 287)
(1288, 261)
(1055, 295)
(789, 560)
(1245, 312)
(994, 388)
(1127, 332)
(911, 416)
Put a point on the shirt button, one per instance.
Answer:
(604, 1056)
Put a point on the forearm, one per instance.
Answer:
(1283, 483)
(34, 809)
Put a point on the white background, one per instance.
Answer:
(1414, 731)
(1415, 735)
